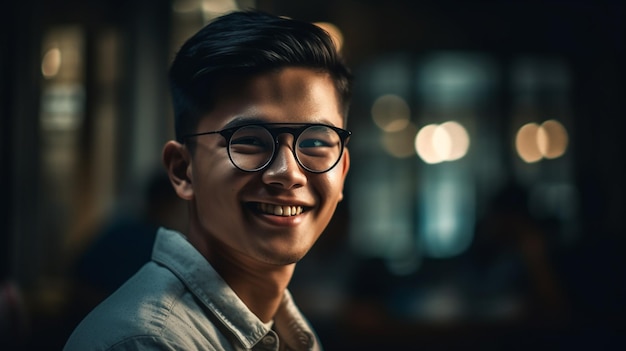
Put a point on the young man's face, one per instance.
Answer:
(234, 211)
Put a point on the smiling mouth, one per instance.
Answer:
(277, 210)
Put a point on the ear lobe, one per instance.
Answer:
(177, 162)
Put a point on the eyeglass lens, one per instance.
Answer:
(317, 148)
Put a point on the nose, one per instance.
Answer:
(284, 171)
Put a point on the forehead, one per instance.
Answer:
(288, 95)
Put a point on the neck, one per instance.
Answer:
(259, 285)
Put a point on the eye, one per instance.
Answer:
(317, 148)
(248, 140)
(313, 143)
(318, 141)
(251, 140)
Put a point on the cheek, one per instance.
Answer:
(215, 184)
(331, 188)
(218, 206)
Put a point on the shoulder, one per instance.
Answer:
(157, 306)
(133, 343)
(144, 343)
(137, 313)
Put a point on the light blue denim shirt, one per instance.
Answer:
(178, 301)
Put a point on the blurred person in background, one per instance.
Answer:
(260, 105)
(511, 258)
(123, 244)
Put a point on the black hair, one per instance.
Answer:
(246, 43)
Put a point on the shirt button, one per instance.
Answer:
(268, 340)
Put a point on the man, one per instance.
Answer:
(260, 106)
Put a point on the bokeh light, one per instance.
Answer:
(424, 145)
(459, 138)
(51, 63)
(185, 6)
(552, 139)
(534, 142)
(334, 32)
(526, 143)
(391, 113)
(438, 143)
(215, 7)
(442, 143)
(399, 144)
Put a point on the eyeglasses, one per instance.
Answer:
(252, 147)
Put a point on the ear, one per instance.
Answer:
(177, 162)
(345, 163)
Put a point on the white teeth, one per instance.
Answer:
(278, 210)
(284, 211)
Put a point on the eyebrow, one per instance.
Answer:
(245, 120)
(242, 121)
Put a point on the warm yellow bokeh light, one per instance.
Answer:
(51, 63)
(334, 32)
(534, 142)
(526, 143)
(552, 139)
(217, 7)
(185, 6)
(424, 144)
(391, 113)
(399, 144)
(438, 143)
(442, 143)
(459, 138)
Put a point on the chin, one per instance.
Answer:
(284, 252)
(283, 259)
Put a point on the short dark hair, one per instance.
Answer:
(245, 43)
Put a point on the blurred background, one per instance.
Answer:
(485, 204)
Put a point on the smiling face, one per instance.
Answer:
(274, 215)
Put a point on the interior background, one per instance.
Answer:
(486, 252)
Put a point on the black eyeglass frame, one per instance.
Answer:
(276, 129)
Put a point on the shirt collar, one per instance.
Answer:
(172, 250)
